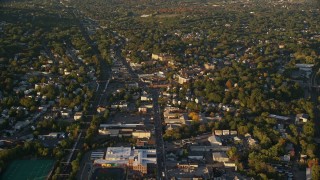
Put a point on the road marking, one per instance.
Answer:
(84, 168)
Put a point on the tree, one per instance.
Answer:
(214, 97)
(315, 171)
(308, 129)
(75, 165)
(229, 84)
(27, 102)
(194, 116)
(232, 153)
(294, 130)
(202, 128)
(242, 130)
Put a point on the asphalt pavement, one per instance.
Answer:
(162, 171)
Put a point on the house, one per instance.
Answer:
(303, 158)
(286, 158)
(21, 124)
(156, 57)
(77, 115)
(247, 135)
(101, 109)
(150, 143)
(182, 80)
(302, 118)
(65, 113)
(146, 97)
(305, 67)
(66, 72)
(133, 85)
(42, 108)
(236, 139)
(180, 120)
(135, 66)
(218, 132)
(233, 133)
(251, 141)
(225, 132)
(57, 135)
(209, 66)
(215, 140)
(220, 157)
(161, 57)
(173, 115)
(142, 110)
(171, 112)
(120, 105)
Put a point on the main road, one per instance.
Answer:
(162, 171)
(161, 160)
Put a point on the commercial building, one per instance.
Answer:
(118, 154)
(141, 134)
(139, 160)
(209, 148)
(124, 130)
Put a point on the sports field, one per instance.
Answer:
(28, 170)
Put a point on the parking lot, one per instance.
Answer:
(181, 173)
(126, 118)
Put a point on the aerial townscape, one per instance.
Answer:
(159, 89)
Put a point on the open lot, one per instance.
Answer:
(28, 169)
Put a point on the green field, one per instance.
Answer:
(28, 169)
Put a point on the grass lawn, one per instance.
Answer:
(28, 169)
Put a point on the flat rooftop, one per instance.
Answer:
(118, 153)
(120, 125)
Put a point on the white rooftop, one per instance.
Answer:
(141, 156)
(121, 155)
(214, 140)
(118, 153)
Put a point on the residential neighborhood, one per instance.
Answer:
(159, 90)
